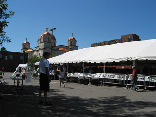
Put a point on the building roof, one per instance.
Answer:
(26, 42)
(63, 49)
(49, 34)
(29, 50)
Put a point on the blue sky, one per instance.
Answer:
(90, 21)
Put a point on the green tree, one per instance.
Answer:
(53, 55)
(34, 59)
(3, 49)
(4, 14)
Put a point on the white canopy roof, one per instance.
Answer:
(140, 50)
(22, 65)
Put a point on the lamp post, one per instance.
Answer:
(51, 39)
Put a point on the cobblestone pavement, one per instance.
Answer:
(78, 100)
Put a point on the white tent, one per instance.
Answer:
(22, 65)
(140, 50)
(37, 63)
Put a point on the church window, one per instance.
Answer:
(71, 43)
(10, 56)
(6, 57)
(21, 57)
(48, 40)
(1, 56)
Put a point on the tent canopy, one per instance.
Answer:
(140, 50)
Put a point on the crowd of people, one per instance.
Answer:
(46, 74)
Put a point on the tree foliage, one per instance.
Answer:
(4, 14)
(53, 55)
(34, 59)
(3, 49)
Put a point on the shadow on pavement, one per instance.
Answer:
(13, 105)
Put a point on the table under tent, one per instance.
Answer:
(136, 53)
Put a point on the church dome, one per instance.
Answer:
(71, 38)
(29, 50)
(63, 49)
(47, 34)
(26, 42)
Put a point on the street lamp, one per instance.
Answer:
(51, 39)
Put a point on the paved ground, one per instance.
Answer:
(78, 100)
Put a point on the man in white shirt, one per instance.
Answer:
(44, 77)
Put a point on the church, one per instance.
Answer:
(47, 43)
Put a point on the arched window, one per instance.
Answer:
(71, 43)
(45, 39)
(48, 40)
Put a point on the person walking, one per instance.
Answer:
(38, 73)
(3, 71)
(146, 73)
(61, 76)
(50, 72)
(44, 78)
(134, 79)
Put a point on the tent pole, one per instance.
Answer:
(83, 69)
(133, 63)
(104, 68)
(54, 72)
(67, 67)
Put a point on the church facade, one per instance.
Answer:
(47, 43)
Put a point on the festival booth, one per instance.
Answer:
(21, 73)
(137, 53)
